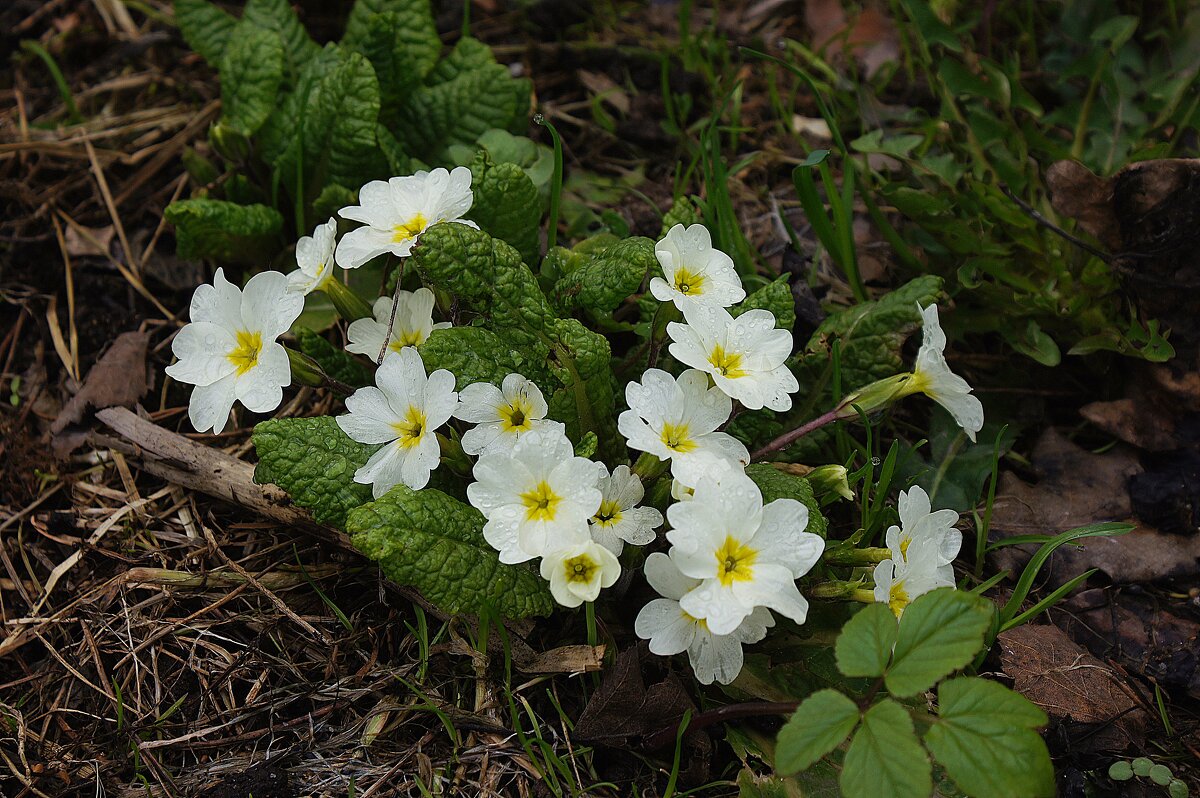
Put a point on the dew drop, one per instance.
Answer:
(539, 119)
(875, 461)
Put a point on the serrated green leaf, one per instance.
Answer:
(314, 462)
(434, 542)
(206, 28)
(223, 231)
(280, 17)
(251, 70)
(775, 296)
(506, 205)
(872, 333)
(337, 363)
(471, 354)
(940, 632)
(865, 644)
(402, 45)
(885, 757)
(602, 282)
(819, 725)
(984, 736)
(776, 484)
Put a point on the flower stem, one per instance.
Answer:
(649, 468)
(307, 371)
(665, 314)
(788, 438)
(349, 305)
(851, 556)
(838, 589)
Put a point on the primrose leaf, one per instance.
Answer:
(940, 632)
(776, 484)
(606, 279)
(775, 296)
(435, 543)
(985, 738)
(339, 133)
(865, 644)
(314, 462)
(506, 204)
(885, 757)
(473, 354)
(819, 725)
(418, 39)
(337, 363)
(582, 362)
(683, 211)
(251, 70)
(281, 138)
(206, 28)
(402, 45)
(280, 17)
(224, 231)
(871, 333)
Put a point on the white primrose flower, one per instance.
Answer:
(537, 497)
(397, 211)
(677, 420)
(577, 572)
(919, 522)
(744, 356)
(314, 260)
(745, 553)
(932, 376)
(619, 520)
(671, 630)
(502, 415)
(696, 273)
(229, 351)
(414, 323)
(898, 583)
(402, 410)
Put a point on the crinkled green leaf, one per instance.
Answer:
(251, 70)
(418, 38)
(206, 28)
(402, 45)
(940, 632)
(537, 160)
(984, 736)
(775, 296)
(885, 757)
(865, 644)
(280, 17)
(468, 55)
(332, 199)
(683, 211)
(281, 138)
(223, 231)
(314, 462)
(820, 724)
(337, 363)
(601, 283)
(472, 354)
(435, 543)
(776, 484)
(339, 133)
(582, 362)
(506, 205)
(398, 161)
(872, 333)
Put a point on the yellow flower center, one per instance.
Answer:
(515, 416)
(541, 503)
(703, 624)
(580, 569)
(675, 437)
(403, 338)
(689, 283)
(244, 356)
(904, 544)
(609, 514)
(727, 364)
(411, 429)
(735, 561)
(409, 230)
(898, 598)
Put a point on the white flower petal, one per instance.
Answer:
(209, 406)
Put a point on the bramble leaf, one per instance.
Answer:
(251, 70)
(819, 725)
(206, 28)
(224, 231)
(314, 462)
(940, 632)
(435, 543)
(865, 644)
(985, 738)
(885, 757)
(776, 484)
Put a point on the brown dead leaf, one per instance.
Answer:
(1077, 488)
(870, 37)
(1086, 198)
(1058, 675)
(117, 379)
(1141, 424)
(565, 659)
(607, 89)
(85, 241)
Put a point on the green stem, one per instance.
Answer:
(64, 91)
(666, 313)
(349, 305)
(555, 182)
(849, 556)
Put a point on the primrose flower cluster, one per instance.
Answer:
(731, 559)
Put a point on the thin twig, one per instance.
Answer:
(1052, 227)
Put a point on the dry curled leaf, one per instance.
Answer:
(117, 379)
